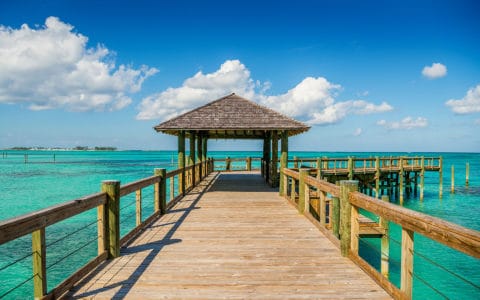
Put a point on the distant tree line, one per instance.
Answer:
(78, 148)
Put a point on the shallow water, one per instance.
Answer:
(52, 177)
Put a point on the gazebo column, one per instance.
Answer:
(191, 159)
(181, 161)
(204, 154)
(283, 162)
(199, 156)
(266, 156)
(274, 179)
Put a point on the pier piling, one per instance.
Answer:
(467, 171)
(452, 180)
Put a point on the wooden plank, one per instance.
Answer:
(447, 233)
(39, 263)
(13, 228)
(233, 239)
(140, 184)
(406, 271)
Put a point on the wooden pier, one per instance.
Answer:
(232, 237)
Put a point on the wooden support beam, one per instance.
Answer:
(467, 173)
(422, 177)
(138, 207)
(161, 191)
(39, 260)
(191, 159)
(406, 272)
(181, 162)
(440, 175)
(346, 186)
(112, 188)
(385, 246)
(303, 173)
(283, 161)
(350, 168)
(200, 157)
(452, 180)
(355, 229)
(400, 174)
(274, 171)
(377, 177)
(266, 155)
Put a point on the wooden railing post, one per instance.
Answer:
(385, 247)
(319, 168)
(336, 216)
(160, 201)
(138, 207)
(39, 259)
(293, 190)
(228, 164)
(112, 188)
(422, 177)
(346, 186)
(440, 179)
(295, 162)
(350, 168)
(377, 177)
(249, 163)
(301, 190)
(406, 272)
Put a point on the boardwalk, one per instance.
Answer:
(233, 237)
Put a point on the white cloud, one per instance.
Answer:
(51, 67)
(406, 123)
(436, 70)
(312, 100)
(357, 132)
(468, 104)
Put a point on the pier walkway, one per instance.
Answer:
(232, 237)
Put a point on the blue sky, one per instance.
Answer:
(367, 75)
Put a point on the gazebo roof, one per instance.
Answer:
(232, 117)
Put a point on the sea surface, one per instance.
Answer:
(34, 180)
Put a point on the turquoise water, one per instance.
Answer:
(52, 177)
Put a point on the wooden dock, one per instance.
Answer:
(231, 237)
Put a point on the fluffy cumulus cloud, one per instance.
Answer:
(312, 100)
(468, 104)
(52, 67)
(406, 123)
(436, 70)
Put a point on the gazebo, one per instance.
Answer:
(234, 117)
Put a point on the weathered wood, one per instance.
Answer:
(161, 191)
(447, 233)
(350, 168)
(136, 185)
(293, 189)
(191, 158)
(467, 173)
(102, 227)
(323, 185)
(266, 156)
(384, 246)
(303, 174)
(274, 170)
(336, 216)
(422, 178)
(355, 229)
(208, 247)
(406, 272)
(346, 186)
(440, 178)
(377, 177)
(172, 187)
(322, 208)
(248, 163)
(112, 188)
(16, 227)
(39, 260)
(283, 160)
(138, 207)
(401, 177)
(181, 162)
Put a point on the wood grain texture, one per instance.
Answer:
(232, 239)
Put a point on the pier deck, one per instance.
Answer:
(232, 237)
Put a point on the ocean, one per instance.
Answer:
(53, 177)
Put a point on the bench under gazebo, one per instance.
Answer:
(234, 117)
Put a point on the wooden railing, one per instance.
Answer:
(343, 225)
(107, 203)
(237, 164)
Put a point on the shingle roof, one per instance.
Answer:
(232, 117)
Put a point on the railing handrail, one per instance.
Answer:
(452, 235)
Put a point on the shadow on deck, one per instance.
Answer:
(231, 237)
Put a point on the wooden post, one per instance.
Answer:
(274, 172)
(199, 157)
(346, 186)
(181, 162)
(283, 161)
(452, 180)
(295, 162)
(440, 174)
(191, 159)
(112, 188)
(307, 199)
(138, 207)
(301, 190)
(161, 191)
(350, 168)
(322, 211)
(266, 156)
(467, 171)
(385, 247)
(422, 177)
(228, 164)
(377, 177)
(249, 163)
(406, 272)
(293, 190)
(172, 187)
(336, 216)
(355, 229)
(400, 174)
(39, 260)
